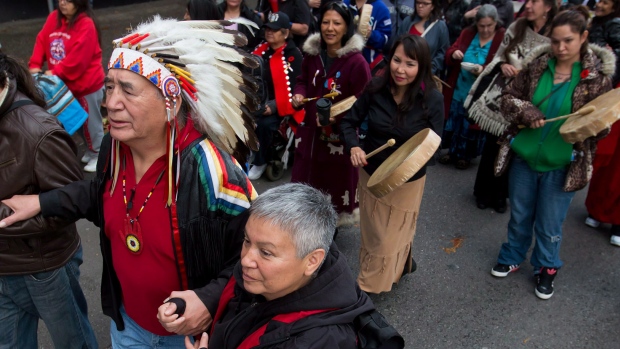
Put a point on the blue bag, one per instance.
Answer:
(61, 103)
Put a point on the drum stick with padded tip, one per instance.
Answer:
(389, 143)
(329, 95)
(580, 112)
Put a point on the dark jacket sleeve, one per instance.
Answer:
(302, 78)
(210, 294)
(443, 42)
(352, 120)
(54, 166)
(302, 13)
(72, 202)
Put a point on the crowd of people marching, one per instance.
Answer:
(193, 109)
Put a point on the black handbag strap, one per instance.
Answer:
(16, 105)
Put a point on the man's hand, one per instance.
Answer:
(195, 320)
(35, 70)
(457, 55)
(23, 206)
(203, 343)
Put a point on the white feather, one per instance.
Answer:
(217, 110)
(247, 23)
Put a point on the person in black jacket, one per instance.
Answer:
(398, 105)
(605, 30)
(292, 288)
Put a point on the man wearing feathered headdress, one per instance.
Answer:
(168, 195)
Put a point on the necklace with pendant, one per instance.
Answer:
(132, 232)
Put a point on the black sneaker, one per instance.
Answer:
(502, 270)
(544, 282)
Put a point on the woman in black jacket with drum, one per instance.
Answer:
(398, 105)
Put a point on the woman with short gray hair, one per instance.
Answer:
(306, 214)
(466, 58)
(289, 269)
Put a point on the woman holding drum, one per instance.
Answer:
(482, 102)
(546, 171)
(398, 105)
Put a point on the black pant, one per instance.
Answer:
(488, 188)
(266, 126)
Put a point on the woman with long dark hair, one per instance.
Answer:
(545, 171)
(70, 44)
(333, 63)
(482, 102)
(398, 105)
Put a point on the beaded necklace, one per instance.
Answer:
(132, 235)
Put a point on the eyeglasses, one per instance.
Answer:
(423, 4)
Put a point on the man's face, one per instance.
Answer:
(269, 261)
(136, 108)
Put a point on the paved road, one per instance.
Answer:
(452, 301)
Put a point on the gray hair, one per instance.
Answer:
(487, 11)
(303, 212)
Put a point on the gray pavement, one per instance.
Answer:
(452, 301)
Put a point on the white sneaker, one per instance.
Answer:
(86, 158)
(91, 166)
(256, 171)
(615, 240)
(591, 222)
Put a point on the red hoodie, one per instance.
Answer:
(74, 55)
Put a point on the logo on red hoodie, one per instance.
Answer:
(57, 49)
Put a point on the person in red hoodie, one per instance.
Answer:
(69, 43)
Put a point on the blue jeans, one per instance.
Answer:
(135, 337)
(538, 206)
(465, 143)
(54, 296)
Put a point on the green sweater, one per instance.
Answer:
(543, 148)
